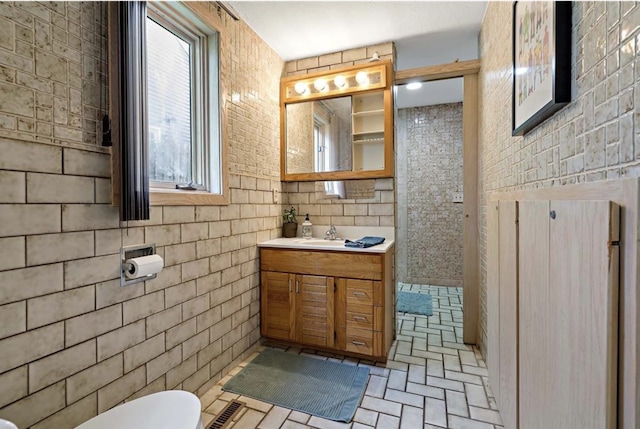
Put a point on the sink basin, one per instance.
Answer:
(318, 242)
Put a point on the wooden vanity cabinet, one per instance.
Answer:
(332, 300)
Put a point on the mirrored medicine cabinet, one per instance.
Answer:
(337, 125)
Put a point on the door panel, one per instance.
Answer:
(568, 295)
(493, 297)
(277, 305)
(508, 314)
(314, 303)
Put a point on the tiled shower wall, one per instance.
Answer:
(369, 202)
(429, 176)
(595, 137)
(73, 343)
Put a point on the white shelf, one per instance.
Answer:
(369, 113)
(364, 133)
(369, 141)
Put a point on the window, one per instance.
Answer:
(185, 151)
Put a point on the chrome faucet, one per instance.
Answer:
(331, 234)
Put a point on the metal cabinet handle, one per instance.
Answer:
(359, 294)
(297, 288)
(358, 343)
(360, 318)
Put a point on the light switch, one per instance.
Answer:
(276, 196)
(457, 197)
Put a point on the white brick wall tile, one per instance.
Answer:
(59, 306)
(23, 156)
(22, 219)
(58, 366)
(120, 389)
(163, 320)
(12, 187)
(142, 307)
(25, 283)
(163, 363)
(48, 248)
(103, 191)
(82, 217)
(55, 188)
(36, 407)
(94, 378)
(178, 214)
(91, 325)
(121, 339)
(179, 253)
(143, 352)
(72, 416)
(17, 379)
(29, 346)
(181, 372)
(110, 292)
(91, 270)
(181, 332)
(110, 241)
(12, 253)
(180, 293)
(84, 163)
(162, 235)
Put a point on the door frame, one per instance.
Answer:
(468, 70)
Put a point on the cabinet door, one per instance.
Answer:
(568, 310)
(314, 310)
(277, 305)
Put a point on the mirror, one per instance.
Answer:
(334, 132)
(319, 136)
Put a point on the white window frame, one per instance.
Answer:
(208, 148)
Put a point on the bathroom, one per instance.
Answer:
(74, 343)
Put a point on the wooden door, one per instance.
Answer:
(568, 310)
(277, 305)
(314, 310)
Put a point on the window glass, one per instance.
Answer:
(170, 86)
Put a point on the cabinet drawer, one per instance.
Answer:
(360, 341)
(360, 320)
(359, 292)
(331, 264)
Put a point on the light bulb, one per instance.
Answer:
(362, 78)
(320, 84)
(340, 81)
(414, 85)
(301, 88)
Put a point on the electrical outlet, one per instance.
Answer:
(276, 196)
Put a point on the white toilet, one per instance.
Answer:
(172, 409)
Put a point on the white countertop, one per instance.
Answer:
(351, 233)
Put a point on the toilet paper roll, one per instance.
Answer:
(143, 266)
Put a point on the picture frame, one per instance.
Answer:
(541, 62)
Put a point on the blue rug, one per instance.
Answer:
(321, 388)
(415, 303)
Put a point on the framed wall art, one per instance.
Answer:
(541, 62)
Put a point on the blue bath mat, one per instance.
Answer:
(330, 390)
(415, 303)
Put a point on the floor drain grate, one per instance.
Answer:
(227, 414)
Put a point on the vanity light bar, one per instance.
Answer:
(353, 79)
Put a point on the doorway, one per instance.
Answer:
(430, 218)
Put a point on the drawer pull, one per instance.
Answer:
(359, 294)
(364, 319)
(289, 285)
(358, 343)
(297, 288)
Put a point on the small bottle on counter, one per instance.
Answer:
(307, 228)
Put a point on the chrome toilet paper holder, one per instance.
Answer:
(137, 251)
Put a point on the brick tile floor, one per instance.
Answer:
(432, 380)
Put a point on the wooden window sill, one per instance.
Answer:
(176, 197)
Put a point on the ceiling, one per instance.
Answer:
(425, 33)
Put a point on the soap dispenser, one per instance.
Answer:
(307, 228)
